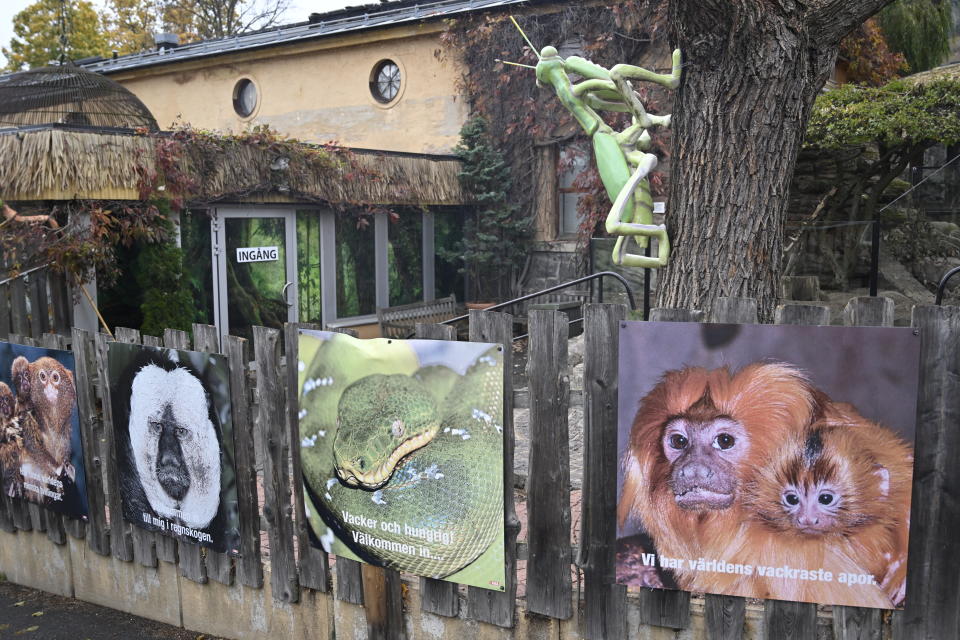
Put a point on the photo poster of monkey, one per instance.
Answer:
(402, 453)
(173, 433)
(41, 452)
(767, 461)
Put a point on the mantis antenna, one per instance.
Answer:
(516, 64)
(517, 25)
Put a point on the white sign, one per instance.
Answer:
(257, 254)
(659, 207)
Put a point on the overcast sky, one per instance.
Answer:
(298, 12)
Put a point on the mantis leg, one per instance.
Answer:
(616, 225)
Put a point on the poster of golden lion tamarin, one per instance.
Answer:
(767, 461)
(41, 455)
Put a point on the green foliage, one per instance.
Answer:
(494, 238)
(166, 301)
(899, 115)
(520, 117)
(870, 59)
(920, 29)
(36, 39)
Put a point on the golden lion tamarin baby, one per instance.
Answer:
(696, 440)
(844, 483)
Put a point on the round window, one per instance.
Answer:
(385, 81)
(244, 97)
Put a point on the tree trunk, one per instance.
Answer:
(752, 70)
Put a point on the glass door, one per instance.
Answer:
(255, 262)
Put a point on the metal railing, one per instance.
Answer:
(565, 285)
(942, 287)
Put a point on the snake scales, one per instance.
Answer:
(402, 462)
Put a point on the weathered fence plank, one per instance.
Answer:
(277, 508)
(383, 603)
(856, 623)
(190, 556)
(39, 307)
(60, 300)
(932, 577)
(865, 311)
(606, 601)
(206, 338)
(20, 323)
(483, 604)
(4, 311)
(144, 542)
(549, 588)
(314, 564)
(725, 616)
(165, 545)
(91, 429)
(249, 565)
(121, 542)
(795, 619)
(789, 620)
(439, 597)
(796, 313)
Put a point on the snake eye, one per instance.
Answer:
(360, 463)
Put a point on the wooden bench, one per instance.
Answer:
(400, 322)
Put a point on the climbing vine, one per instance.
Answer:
(183, 165)
(522, 118)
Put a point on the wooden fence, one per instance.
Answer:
(563, 581)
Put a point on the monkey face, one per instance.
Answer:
(6, 402)
(813, 509)
(174, 445)
(704, 455)
(20, 371)
(49, 380)
(172, 471)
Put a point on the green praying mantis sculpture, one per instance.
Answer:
(622, 158)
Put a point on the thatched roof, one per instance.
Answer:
(55, 163)
(946, 72)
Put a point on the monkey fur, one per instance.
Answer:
(696, 444)
(46, 396)
(169, 453)
(11, 444)
(695, 441)
(844, 482)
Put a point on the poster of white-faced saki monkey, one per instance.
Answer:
(174, 440)
(41, 453)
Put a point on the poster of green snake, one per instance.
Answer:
(401, 443)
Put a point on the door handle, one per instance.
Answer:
(283, 293)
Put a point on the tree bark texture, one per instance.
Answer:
(752, 69)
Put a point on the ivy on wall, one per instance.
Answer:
(520, 116)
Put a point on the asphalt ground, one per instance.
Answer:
(29, 614)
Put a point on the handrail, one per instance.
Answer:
(25, 273)
(943, 284)
(565, 285)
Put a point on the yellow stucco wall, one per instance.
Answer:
(319, 92)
